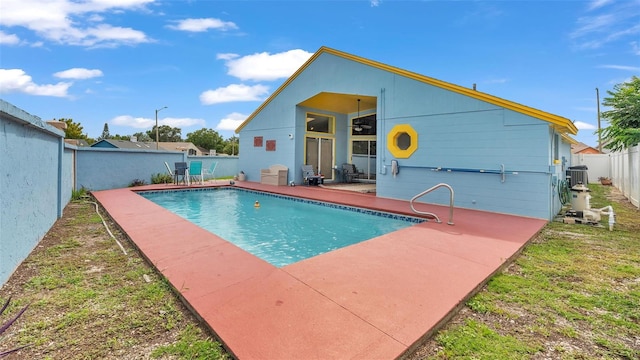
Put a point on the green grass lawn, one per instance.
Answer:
(574, 293)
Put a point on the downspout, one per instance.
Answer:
(382, 166)
(60, 182)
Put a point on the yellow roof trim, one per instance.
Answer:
(569, 139)
(561, 122)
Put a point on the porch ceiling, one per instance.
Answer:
(340, 103)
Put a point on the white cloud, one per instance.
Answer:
(64, 21)
(147, 123)
(581, 125)
(234, 92)
(181, 122)
(201, 25)
(595, 4)
(8, 39)
(231, 121)
(590, 24)
(607, 24)
(134, 122)
(228, 56)
(17, 81)
(78, 73)
(375, 3)
(265, 66)
(621, 67)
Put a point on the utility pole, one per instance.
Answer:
(599, 134)
(157, 143)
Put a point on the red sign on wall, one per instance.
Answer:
(271, 145)
(257, 141)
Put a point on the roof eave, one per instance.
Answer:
(561, 122)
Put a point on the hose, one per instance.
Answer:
(564, 192)
(107, 227)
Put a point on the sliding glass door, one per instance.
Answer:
(319, 154)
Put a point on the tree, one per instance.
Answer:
(120, 137)
(624, 116)
(231, 146)
(165, 133)
(105, 132)
(143, 137)
(73, 130)
(207, 138)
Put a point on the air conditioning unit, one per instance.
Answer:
(577, 174)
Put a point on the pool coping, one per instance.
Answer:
(378, 299)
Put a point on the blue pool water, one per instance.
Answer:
(283, 230)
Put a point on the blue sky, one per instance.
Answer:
(212, 63)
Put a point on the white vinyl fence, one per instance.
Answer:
(622, 167)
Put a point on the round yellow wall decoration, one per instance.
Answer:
(402, 141)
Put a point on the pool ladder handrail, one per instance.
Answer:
(432, 214)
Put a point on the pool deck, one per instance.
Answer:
(378, 299)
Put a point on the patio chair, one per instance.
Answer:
(181, 173)
(350, 173)
(196, 172)
(211, 171)
(309, 177)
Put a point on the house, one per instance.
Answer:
(407, 132)
(77, 142)
(187, 147)
(582, 148)
(123, 144)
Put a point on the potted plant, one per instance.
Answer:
(605, 181)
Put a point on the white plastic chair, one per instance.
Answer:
(210, 172)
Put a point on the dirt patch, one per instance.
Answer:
(90, 300)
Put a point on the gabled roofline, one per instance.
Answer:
(559, 121)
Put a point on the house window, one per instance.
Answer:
(364, 125)
(402, 141)
(319, 123)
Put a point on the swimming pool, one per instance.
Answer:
(282, 230)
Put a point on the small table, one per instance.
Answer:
(315, 180)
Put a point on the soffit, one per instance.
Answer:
(340, 103)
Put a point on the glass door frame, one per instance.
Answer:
(328, 134)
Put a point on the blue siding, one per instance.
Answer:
(454, 131)
(39, 173)
(102, 169)
(103, 144)
(68, 172)
(30, 203)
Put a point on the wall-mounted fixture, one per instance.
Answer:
(290, 136)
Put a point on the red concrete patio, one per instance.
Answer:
(374, 300)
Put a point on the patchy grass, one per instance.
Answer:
(574, 293)
(91, 301)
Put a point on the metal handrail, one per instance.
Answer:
(432, 214)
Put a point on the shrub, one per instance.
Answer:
(137, 182)
(161, 178)
(78, 194)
